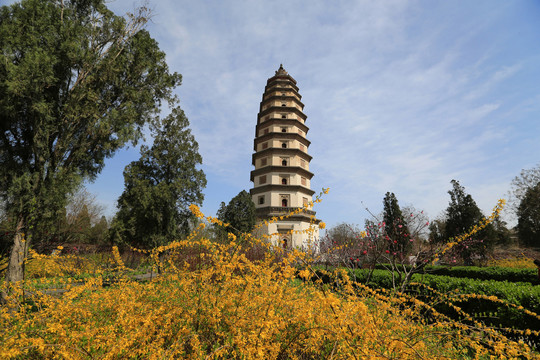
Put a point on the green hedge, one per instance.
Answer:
(480, 273)
(491, 313)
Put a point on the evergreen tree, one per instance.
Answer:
(220, 232)
(239, 214)
(529, 217)
(395, 227)
(437, 232)
(76, 84)
(160, 186)
(462, 214)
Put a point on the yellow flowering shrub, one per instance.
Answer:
(521, 262)
(244, 299)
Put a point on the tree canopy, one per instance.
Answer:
(462, 214)
(395, 226)
(529, 217)
(160, 186)
(239, 214)
(77, 83)
(528, 178)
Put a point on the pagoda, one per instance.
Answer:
(281, 179)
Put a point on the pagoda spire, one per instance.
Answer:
(281, 70)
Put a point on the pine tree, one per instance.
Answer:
(159, 187)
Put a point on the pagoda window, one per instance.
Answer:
(284, 181)
(283, 129)
(262, 179)
(303, 181)
(263, 162)
(284, 162)
(261, 200)
(284, 145)
(283, 116)
(264, 145)
(284, 203)
(283, 104)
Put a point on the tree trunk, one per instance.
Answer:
(15, 270)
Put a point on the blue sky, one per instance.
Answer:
(401, 96)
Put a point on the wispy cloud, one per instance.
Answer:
(401, 96)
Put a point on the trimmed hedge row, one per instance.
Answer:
(492, 313)
(518, 293)
(481, 273)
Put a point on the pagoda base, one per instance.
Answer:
(292, 233)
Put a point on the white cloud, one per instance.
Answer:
(401, 96)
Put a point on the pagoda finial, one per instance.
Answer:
(281, 70)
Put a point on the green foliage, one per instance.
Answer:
(76, 84)
(473, 301)
(239, 214)
(159, 187)
(437, 231)
(480, 273)
(528, 178)
(395, 226)
(81, 222)
(461, 215)
(503, 235)
(462, 212)
(529, 217)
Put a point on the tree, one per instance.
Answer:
(529, 217)
(417, 222)
(462, 214)
(528, 178)
(99, 231)
(74, 223)
(159, 187)
(437, 230)
(76, 84)
(395, 226)
(239, 214)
